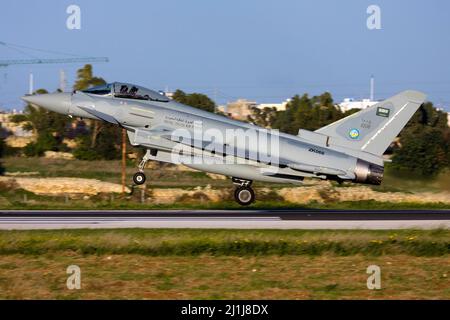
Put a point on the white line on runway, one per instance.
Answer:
(27, 223)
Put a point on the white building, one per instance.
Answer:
(350, 103)
(278, 106)
(222, 108)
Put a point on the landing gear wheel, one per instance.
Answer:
(139, 178)
(244, 196)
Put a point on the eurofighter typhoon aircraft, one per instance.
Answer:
(350, 149)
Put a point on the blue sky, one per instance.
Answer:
(262, 50)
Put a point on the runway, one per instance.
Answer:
(227, 219)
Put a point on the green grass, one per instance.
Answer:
(222, 277)
(224, 264)
(191, 242)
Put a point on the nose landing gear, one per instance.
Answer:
(244, 194)
(139, 177)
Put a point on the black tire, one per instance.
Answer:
(244, 196)
(139, 178)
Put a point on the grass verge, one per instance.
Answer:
(218, 242)
(224, 264)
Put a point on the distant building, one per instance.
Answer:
(240, 109)
(222, 108)
(278, 106)
(350, 103)
(168, 94)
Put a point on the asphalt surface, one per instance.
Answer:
(233, 219)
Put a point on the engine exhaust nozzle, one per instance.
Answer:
(368, 173)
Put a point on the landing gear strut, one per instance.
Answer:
(244, 194)
(139, 177)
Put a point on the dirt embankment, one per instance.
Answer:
(322, 192)
(61, 186)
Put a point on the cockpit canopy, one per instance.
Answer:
(127, 91)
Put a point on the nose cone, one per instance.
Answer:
(58, 102)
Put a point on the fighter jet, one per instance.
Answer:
(350, 149)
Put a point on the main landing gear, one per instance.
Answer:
(139, 177)
(244, 194)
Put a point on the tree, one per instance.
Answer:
(46, 141)
(424, 142)
(48, 126)
(424, 152)
(427, 115)
(263, 118)
(196, 100)
(324, 111)
(104, 140)
(107, 146)
(285, 121)
(41, 120)
(18, 118)
(86, 79)
(307, 113)
(351, 111)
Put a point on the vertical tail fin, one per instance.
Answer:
(373, 129)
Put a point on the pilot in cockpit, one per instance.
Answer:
(133, 91)
(124, 89)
